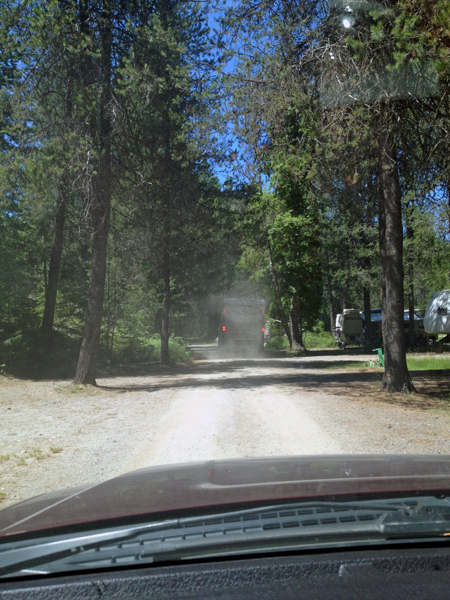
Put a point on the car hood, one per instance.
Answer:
(205, 487)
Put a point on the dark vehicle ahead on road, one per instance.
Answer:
(320, 526)
(242, 324)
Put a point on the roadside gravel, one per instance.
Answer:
(55, 435)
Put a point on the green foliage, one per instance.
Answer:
(428, 363)
(277, 342)
(179, 351)
(297, 216)
(317, 337)
(31, 353)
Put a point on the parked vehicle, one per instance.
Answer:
(437, 318)
(242, 323)
(437, 315)
(420, 336)
(349, 328)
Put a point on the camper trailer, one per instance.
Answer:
(437, 318)
(437, 315)
(349, 328)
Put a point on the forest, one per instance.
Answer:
(160, 154)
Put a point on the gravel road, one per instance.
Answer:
(55, 435)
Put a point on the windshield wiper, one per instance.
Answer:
(276, 527)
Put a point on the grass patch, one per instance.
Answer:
(440, 411)
(2, 495)
(345, 365)
(55, 449)
(76, 389)
(37, 454)
(4, 458)
(428, 363)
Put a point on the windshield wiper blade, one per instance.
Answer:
(295, 524)
(430, 516)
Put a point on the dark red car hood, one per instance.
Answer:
(194, 488)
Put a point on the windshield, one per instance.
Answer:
(224, 234)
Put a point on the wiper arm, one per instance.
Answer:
(295, 524)
(430, 516)
(34, 552)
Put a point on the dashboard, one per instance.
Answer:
(381, 572)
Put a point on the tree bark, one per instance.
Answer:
(165, 354)
(51, 288)
(396, 376)
(296, 323)
(55, 263)
(331, 304)
(345, 294)
(412, 323)
(276, 286)
(87, 360)
(367, 319)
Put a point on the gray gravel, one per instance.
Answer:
(56, 435)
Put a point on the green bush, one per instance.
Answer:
(178, 349)
(277, 342)
(33, 353)
(318, 338)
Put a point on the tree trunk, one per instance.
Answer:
(276, 286)
(51, 288)
(168, 190)
(345, 294)
(367, 319)
(331, 304)
(412, 324)
(396, 376)
(165, 355)
(87, 360)
(55, 263)
(296, 323)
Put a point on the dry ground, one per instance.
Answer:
(54, 434)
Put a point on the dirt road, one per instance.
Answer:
(55, 435)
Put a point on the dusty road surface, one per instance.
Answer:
(54, 434)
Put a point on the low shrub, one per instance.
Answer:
(178, 349)
(318, 338)
(277, 342)
(35, 354)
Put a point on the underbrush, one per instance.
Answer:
(277, 342)
(33, 353)
(178, 349)
(318, 338)
(140, 351)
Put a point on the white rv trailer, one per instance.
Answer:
(437, 315)
(349, 328)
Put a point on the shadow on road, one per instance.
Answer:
(433, 388)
